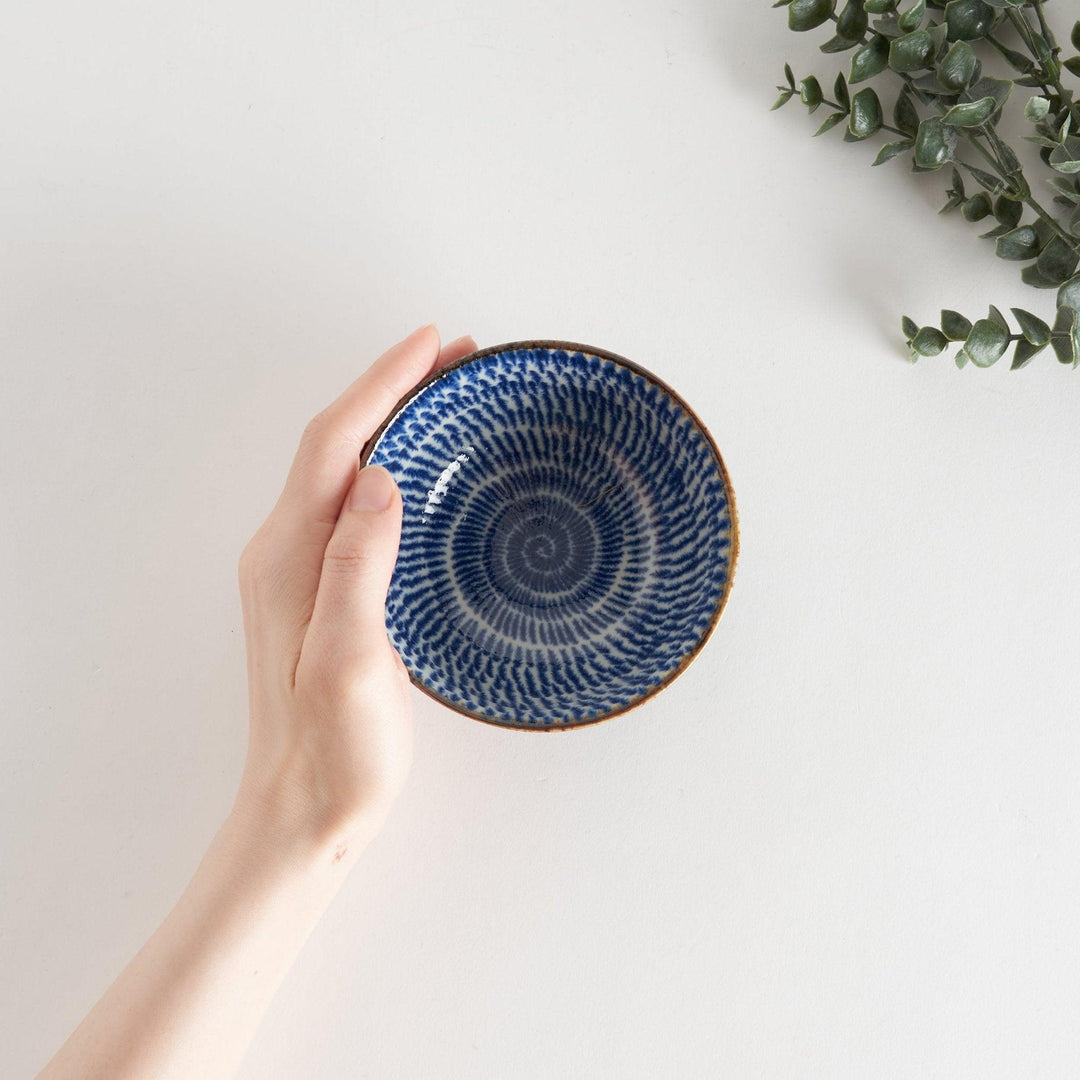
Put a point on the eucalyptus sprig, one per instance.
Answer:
(946, 112)
(986, 341)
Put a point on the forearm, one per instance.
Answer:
(188, 1004)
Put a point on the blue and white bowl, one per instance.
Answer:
(569, 534)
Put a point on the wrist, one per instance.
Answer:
(279, 821)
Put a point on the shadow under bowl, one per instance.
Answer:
(569, 534)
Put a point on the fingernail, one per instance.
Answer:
(372, 490)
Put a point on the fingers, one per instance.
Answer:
(457, 348)
(348, 620)
(289, 547)
(325, 462)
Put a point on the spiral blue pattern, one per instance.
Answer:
(567, 540)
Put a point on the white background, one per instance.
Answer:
(843, 844)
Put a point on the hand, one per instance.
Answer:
(330, 739)
(330, 745)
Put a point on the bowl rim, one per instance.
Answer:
(604, 354)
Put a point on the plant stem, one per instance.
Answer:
(1029, 200)
(1025, 29)
(1046, 31)
(884, 127)
(1036, 72)
(1053, 334)
(992, 159)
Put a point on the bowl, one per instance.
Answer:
(569, 534)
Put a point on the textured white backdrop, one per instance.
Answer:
(843, 844)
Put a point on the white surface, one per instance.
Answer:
(843, 844)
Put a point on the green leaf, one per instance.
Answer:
(870, 60)
(905, 116)
(1069, 293)
(1073, 64)
(810, 92)
(1045, 229)
(837, 44)
(1018, 60)
(911, 52)
(929, 86)
(1020, 243)
(1032, 327)
(1074, 37)
(987, 180)
(929, 341)
(961, 358)
(1033, 276)
(891, 150)
(955, 326)
(1064, 340)
(1066, 187)
(840, 89)
(990, 86)
(1057, 261)
(830, 123)
(1008, 212)
(940, 41)
(1009, 160)
(957, 182)
(879, 7)
(912, 18)
(968, 19)
(1042, 50)
(971, 113)
(977, 207)
(957, 67)
(1036, 109)
(934, 144)
(1066, 158)
(789, 76)
(998, 89)
(996, 317)
(853, 21)
(986, 343)
(807, 14)
(956, 193)
(783, 99)
(910, 327)
(865, 117)
(1024, 352)
(888, 24)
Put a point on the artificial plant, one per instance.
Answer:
(945, 112)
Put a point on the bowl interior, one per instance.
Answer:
(567, 539)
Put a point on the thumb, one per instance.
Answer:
(348, 618)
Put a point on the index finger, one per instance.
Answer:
(326, 460)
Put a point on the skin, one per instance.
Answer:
(329, 748)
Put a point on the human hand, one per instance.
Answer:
(330, 739)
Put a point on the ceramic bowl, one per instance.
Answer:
(569, 534)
